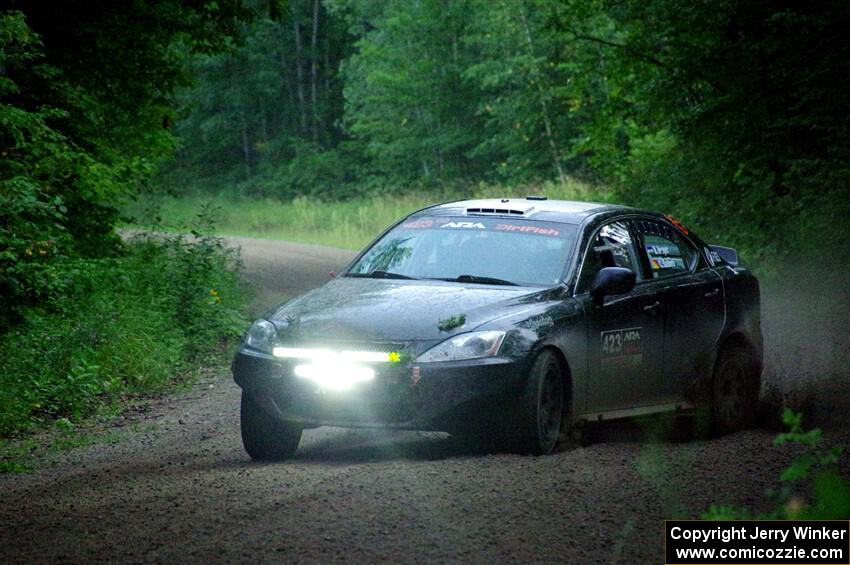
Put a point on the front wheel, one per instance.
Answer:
(266, 438)
(735, 390)
(541, 410)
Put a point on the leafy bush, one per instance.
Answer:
(84, 119)
(812, 488)
(124, 325)
(310, 171)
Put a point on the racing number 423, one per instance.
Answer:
(612, 343)
(621, 342)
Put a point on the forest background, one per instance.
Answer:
(324, 120)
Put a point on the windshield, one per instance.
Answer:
(472, 250)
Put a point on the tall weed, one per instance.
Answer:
(124, 325)
(347, 223)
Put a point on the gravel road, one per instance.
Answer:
(177, 486)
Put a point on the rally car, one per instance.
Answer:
(510, 319)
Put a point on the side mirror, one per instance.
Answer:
(612, 280)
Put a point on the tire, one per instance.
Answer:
(539, 416)
(266, 438)
(734, 391)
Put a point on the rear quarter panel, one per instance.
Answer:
(743, 309)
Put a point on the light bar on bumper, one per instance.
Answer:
(334, 370)
(318, 354)
(333, 375)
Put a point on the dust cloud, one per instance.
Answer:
(807, 343)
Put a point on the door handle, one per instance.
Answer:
(651, 308)
(711, 293)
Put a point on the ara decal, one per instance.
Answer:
(464, 225)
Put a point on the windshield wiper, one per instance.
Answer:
(478, 280)
(379, 274)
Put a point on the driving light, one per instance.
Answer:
(316, 354)
(472, 345)
(334, 375)
(261, 335)
(302, 353)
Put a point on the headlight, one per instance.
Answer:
(262, 336)
(472, 345)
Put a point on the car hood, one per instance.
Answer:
(396, 310)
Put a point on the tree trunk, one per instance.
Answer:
(426, 169)
(246, 147)
(264, 122)
(314, 55)
(288, 121)
(327, 71)
(299, 69)
(544, 107)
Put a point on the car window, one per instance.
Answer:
(524, 252)
(612, 246)
(667, 251)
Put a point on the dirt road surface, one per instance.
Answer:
(178, 487)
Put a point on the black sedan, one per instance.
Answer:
(514, 320)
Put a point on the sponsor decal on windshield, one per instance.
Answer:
(488, 225)
(418, 224)
(464, 225)
(527, 229)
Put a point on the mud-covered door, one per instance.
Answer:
(625, 333)
(691, 296)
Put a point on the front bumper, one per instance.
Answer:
(446, 395)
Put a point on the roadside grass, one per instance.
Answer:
(19, 456)
(127, 327)
(27, 453)
(349, 224)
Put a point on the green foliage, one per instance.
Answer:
(451, 322)
(729, 115)
(407, 102)
(525, 78)
(310, 172)
(126, 324)
(349, 224)
(812, 487)
(265, 117)
(34, 159)
(83, 120)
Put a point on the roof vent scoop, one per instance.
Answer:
(501, 211)
(499, 207)
(535, 197)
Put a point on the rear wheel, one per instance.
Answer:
(735, 390)
(266, 438)
(541, 410)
